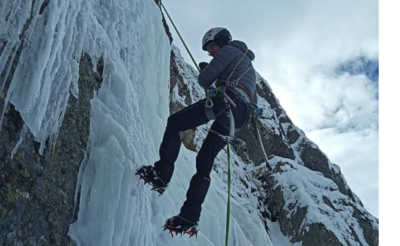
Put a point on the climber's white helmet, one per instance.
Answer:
(218, 35)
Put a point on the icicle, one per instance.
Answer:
(17, 46)
(5, 78)
(24, 131)
(48, 68)
(79, 181)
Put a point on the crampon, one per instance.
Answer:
(179, 225)
(149, 176)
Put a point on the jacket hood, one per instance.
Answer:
(242, 46)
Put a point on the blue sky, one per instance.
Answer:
(321, 59)
(360, 65)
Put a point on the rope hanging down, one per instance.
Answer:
(228, 150)
(190, 54)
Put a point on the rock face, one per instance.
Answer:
(37, 191)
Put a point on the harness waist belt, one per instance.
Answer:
(244, 92)
(241, 89)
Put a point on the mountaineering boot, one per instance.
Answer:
(178, 224)
(149, 175)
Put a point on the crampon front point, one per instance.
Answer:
(150, 177)
(191, 230)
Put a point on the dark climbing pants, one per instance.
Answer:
(189, 118)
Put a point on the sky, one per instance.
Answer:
(321, 59)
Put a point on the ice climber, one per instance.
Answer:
(231, 68)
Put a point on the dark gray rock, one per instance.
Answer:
(291, 224)
(371, 234)
(292, 134)
(315, 160)
(318, 235)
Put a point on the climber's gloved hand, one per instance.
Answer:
(203, 65)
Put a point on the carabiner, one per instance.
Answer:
(209, 103)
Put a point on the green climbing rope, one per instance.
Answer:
(228, 211)
(195, 63)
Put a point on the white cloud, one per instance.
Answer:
(330, 101)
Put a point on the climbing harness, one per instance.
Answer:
(212, 92)
(230, 84)
(253, 112)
